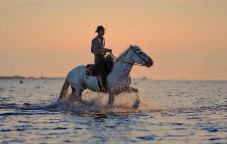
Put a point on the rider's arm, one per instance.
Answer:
(96, 49)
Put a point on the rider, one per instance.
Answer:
(97, 48)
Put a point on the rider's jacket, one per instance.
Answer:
(97, 46)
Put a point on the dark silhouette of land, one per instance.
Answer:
(22, 77)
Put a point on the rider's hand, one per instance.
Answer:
(106, 50)
(110, 50)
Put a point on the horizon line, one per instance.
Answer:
(143, 78)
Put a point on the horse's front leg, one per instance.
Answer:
(137, 102)
(114, 92)
(111, 100)
(133, 90)
(125, 90)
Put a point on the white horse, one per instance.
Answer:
(118, 80)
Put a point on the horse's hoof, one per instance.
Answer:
(136, 105)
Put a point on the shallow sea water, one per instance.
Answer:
(170, 112)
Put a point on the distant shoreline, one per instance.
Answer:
(22, 77)
(142, 78)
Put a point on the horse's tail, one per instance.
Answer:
(64, 90)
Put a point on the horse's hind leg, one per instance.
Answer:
(76, 95)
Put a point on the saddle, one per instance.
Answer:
(91, 70)
(95, 70)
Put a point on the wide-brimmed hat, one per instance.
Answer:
(99, 28)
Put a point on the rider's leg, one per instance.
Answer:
(104, 83)
(100, 64)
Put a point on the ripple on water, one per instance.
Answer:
(147, 138)
(170, 112)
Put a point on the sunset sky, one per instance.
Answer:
(187, 39)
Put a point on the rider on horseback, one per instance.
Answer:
(97, 48)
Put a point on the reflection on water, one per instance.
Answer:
(171, 112)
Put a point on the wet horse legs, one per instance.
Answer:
(127, 90)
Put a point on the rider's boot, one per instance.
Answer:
(104, 84)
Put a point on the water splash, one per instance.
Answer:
(92, 103)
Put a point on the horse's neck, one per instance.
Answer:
(120, 69)
(124, 69)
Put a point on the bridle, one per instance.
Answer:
(131, 47)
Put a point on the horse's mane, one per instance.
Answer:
(122, 55)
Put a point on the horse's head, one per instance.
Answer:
(140, 57)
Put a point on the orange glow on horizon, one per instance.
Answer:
(187, 40)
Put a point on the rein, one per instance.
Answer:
(129, 62)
